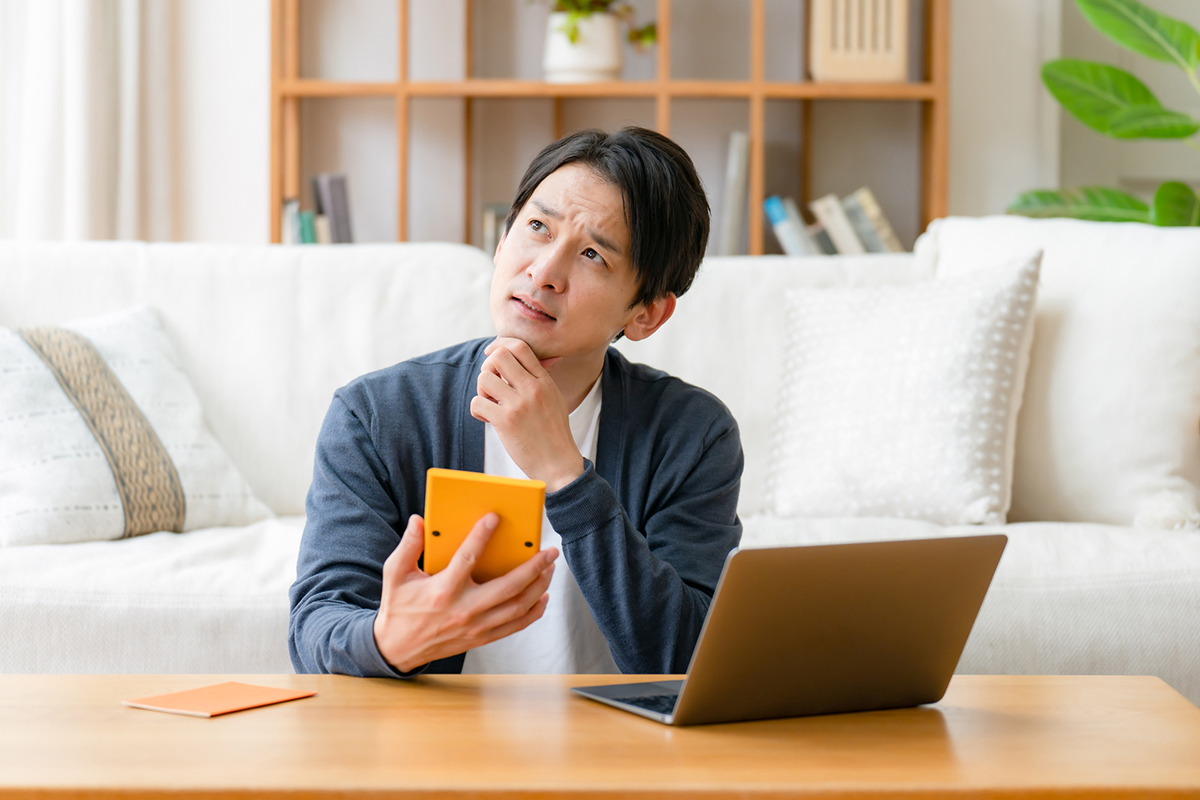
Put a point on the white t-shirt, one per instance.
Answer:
(566, 640)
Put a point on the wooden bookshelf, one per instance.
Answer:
(288, 89)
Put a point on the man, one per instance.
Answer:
(641, 470)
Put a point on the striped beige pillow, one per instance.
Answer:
(102, 437)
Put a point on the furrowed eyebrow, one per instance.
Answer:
(598, 238)
(545, 209)
(603, 242)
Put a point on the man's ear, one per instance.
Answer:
(650, 317)
(499, 243)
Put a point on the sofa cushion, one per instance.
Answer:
(102, 436)
(1109, 430)
(210, 601)
(901, 401)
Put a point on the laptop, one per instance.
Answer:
(825, 629)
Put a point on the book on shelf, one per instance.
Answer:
(321, 226)
(789, 227)
(733, 204)
(334, 203)
(829, 212)
(862, 226)
(327, 222)
(289, 232)
(320, 218)
(818, 234)
(861, 221)
(869, 221)
(308, 228)
(797, 219)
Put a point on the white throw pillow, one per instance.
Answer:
(1110, 427)
(87, 465)
(902, 401)
(729, 333)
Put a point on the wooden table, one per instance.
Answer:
(526, 736)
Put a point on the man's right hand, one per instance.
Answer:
(423, 617)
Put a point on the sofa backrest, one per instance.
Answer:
(268, 333)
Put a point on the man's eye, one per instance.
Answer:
(590, 253)
(536, 225)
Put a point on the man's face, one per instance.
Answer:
(564, 280)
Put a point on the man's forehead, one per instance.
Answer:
(579, 184)
(574, 190)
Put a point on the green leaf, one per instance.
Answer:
(1088, 202)
(1143, 30)
(1095, 93)
(1175, 204)
(1151, 122)
(570, 25)
(645, 36)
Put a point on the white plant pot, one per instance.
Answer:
(595, 56)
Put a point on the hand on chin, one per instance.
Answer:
(519, 398)
(544, 353)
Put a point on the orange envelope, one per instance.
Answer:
(220, 698)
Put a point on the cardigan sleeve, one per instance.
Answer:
(649, 589)
(353, 525)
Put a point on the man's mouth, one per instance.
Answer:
(533, 309)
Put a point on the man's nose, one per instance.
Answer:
(549, 270)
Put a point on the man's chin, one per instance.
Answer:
(542, 350)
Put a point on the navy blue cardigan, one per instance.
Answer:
(645, 530)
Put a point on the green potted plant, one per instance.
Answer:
(1113, 102)
(583, 40)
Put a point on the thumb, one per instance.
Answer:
(403, 559)
(547, 363)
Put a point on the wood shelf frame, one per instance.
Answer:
(668, 89)
(288, 89)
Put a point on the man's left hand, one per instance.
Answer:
(519, 398)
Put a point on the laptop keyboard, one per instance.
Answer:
(662, 703)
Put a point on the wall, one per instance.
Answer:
(1003, 125)
(1003, 138)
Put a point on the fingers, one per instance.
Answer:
(503, 341)
(513, 359)
(518, 606)
(520, 624)
(524, 355)
(500, 590)
(505, 365)
(469, 552)
(403, 559)
(493, 388)
(482, 408)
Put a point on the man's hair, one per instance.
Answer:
(666, 209)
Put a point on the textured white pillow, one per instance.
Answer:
(56, 483)
(902, 401)
(1110, 426)
(740, 359)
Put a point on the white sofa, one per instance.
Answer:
(266, 335)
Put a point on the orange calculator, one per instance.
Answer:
(455, 500)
